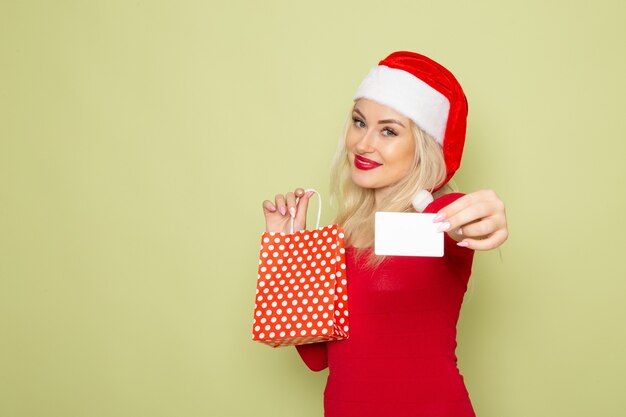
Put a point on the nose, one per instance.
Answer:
(366, 142)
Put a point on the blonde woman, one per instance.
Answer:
(404, 139)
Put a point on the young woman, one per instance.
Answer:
(405, 139)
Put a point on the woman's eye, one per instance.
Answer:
(389, 132)
(358, 122)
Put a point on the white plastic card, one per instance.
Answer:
(407, 234)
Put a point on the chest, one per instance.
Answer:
(402, 284)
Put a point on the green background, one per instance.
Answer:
(138, 139)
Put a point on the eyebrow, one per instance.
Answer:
(380, 122)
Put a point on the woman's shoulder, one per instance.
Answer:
(442, 201)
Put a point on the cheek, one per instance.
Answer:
(409, 156)
(402, 154)
(351, 140)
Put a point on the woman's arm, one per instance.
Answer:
(314, 355)
(476, 220)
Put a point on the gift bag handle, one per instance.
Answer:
(319, 208)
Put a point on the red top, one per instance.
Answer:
(399, 360)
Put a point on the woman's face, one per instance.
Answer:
(380, 146)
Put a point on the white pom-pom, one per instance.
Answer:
(422, 199)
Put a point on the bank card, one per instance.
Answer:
(407, 234)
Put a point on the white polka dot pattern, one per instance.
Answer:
(301, 294)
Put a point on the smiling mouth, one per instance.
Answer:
(365, 164)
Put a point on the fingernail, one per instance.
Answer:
(283, 211)
(309, 194)
(459, 231)
(462, 244)
(292, 211)
(443, 227)
(439, 217)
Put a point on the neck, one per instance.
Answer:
(379, 196)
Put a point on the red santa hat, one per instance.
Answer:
(425, 92)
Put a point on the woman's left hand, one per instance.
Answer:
(476, 220)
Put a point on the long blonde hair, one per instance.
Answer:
(356, 205)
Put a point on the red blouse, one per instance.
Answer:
(400, 358)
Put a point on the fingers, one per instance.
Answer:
(268, 207)
(478, 218)
(491, 242)
(469, 214)
(278, 213)
(471, 208)
(472, 199)
(285, 205)
(281, 205)
(484, 227)
(303, 204)
(290, 199)
(456, 206)
(291, 203)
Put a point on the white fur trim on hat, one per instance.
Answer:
(421, 200)
(408, 95)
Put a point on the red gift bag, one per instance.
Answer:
(301, 292)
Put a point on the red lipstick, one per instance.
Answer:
(364, 163)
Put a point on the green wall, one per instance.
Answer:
(138, 139)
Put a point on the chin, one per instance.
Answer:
(362, 180)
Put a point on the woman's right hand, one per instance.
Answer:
(278, 214)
